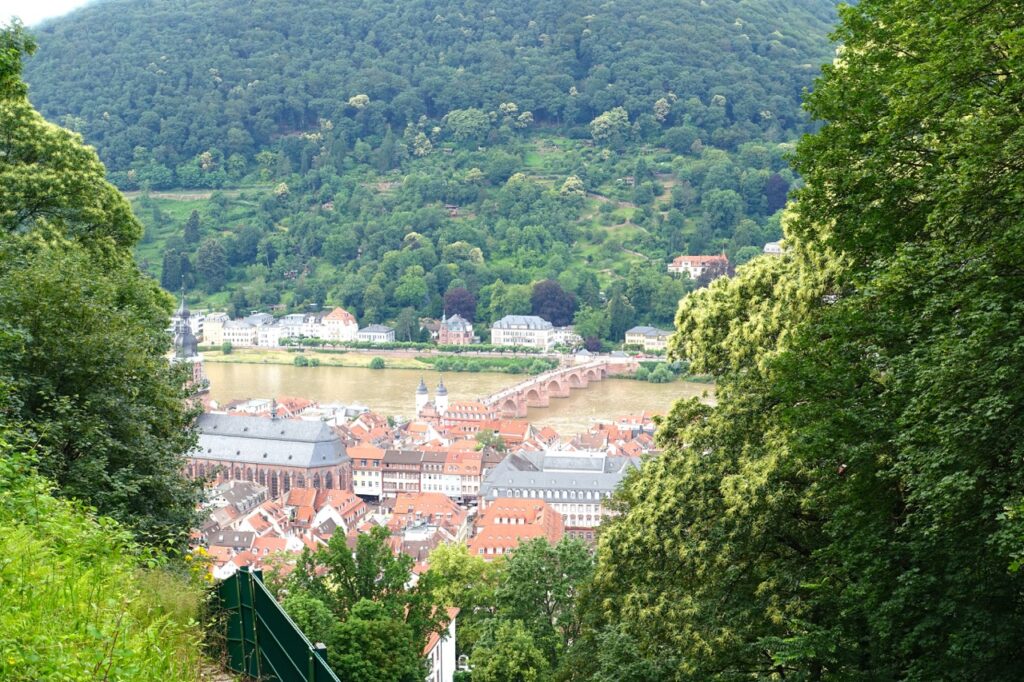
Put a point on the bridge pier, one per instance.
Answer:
(537, 397)
(558, 389)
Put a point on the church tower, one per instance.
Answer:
(422, 397)
(441, 401)
(186, 346)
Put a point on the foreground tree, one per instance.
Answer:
(850, 490)
(92, 389)
(378, 623)
(507, 653)
(539, 587)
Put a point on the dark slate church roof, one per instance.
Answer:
(277, 442)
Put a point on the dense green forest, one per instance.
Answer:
(315, 152)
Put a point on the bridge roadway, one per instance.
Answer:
(513, 402)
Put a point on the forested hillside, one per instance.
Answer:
(324, 147)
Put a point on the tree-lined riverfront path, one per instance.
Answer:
(392, 391)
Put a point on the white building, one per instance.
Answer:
(340, 325)
(523, 330)
(270, 335)
(240, 333)
(695, 266)
(367, 461)
(440, 652)
(213, 329)
(567, 336)
(773, 248)
(577, 484)
(650, 338)
(376, 333)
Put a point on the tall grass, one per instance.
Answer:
(80, 601)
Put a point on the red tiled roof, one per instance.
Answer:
(434, 637)
(700, 260)
(269, 545)
(301, 497)
(341, 315)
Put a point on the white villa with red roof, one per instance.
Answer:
(695, 266)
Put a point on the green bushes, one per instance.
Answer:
(80, 599)
(505, 365)
(663, 373)
(377, 363)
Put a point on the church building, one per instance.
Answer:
(279, 453)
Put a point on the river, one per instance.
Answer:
(393, 391)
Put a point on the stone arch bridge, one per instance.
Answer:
(513, 402)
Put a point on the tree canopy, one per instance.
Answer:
(858, 481)
(91, 389)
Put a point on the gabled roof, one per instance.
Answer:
(700, 260)
(231, 538)
(522, 322)
(340, 315)
(300, 497)
(457, 323)
(256, 440)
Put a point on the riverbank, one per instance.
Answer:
(271, 356)
(382, 359)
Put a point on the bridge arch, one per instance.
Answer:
(509, 406)
(575, 380)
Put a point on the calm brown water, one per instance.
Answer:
(393, 391)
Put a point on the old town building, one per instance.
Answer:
(279, 453)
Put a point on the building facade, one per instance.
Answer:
(455, 331)
(340, 325)
(240, 334)
(650, 338)
(279, 453)
(696, 266)
(376, 333)
(577, 484)
(523, 330)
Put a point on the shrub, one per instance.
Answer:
(661, 375)
(377, 363)
(226, 348)
(301, 361)
(78, 600)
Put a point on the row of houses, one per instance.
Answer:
(528, 331)
(263, 329)
(340, 326)
(455, 471)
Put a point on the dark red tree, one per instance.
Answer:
(776, 190)
(460, 301)
(550, 301)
